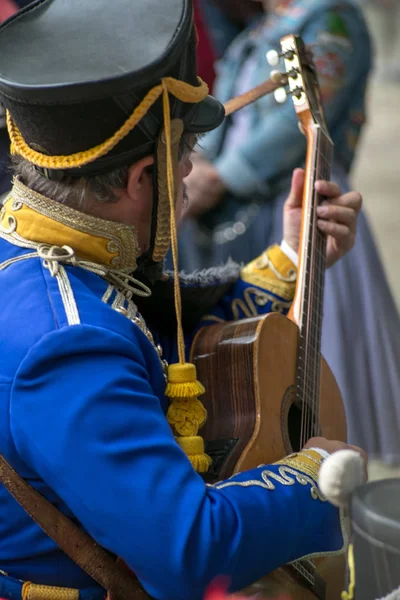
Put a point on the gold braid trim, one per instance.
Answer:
(181, 90)
(272, 271)
(31, 591)
(307, 461)
(163, 232)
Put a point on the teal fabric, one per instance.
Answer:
(273, 145)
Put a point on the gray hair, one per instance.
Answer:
(71, 191)
(76, 192)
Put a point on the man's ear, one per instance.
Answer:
(139, 179)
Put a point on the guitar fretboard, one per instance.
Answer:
(311, 312)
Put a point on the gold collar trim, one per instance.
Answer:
(43, 221)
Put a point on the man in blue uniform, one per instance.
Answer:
(103, 109)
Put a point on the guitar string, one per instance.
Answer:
(311, 322)
(315, 297)
(307, 391)
(325, 159)
(314, 300)
(306, 387)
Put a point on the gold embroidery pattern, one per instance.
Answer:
(272, 271)
(120, 278)
(286, 476)
(253, 297)
(308, 462)
(302, 467)
(213, 319)
(122, 238)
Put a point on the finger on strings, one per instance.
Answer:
(351, 200)
(337, 213)
(336, 230)
(330, 189)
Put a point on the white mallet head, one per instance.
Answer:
(340, 475)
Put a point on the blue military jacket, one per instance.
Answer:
(82, 413)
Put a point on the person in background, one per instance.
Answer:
(242, 175)
(226, 19)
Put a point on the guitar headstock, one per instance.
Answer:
(303, 81)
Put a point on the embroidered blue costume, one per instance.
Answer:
(82, 394)
(83, 418)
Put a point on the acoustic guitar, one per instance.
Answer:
(268, 390)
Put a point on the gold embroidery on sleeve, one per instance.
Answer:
(272, 271)
(301, 468)
(253, 297)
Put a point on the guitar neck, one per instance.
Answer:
(307, 308)
(312, 254)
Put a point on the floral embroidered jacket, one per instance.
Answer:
(254, 150)
(82, 414)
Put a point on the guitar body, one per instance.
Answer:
(249, 371)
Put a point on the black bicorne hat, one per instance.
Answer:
(72, 72)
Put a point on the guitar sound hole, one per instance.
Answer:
(291, 422)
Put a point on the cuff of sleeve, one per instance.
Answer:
(307, 461)
(272, 271)
(238, 176)
(323, 453)
(290, 253)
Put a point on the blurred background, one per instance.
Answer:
(376, 170)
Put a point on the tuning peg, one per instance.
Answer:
(280, 95)
(278, 77)
(273, 58)
(293, 74)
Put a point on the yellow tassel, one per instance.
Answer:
(186, 415)
(194, 449)
(182, 381)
